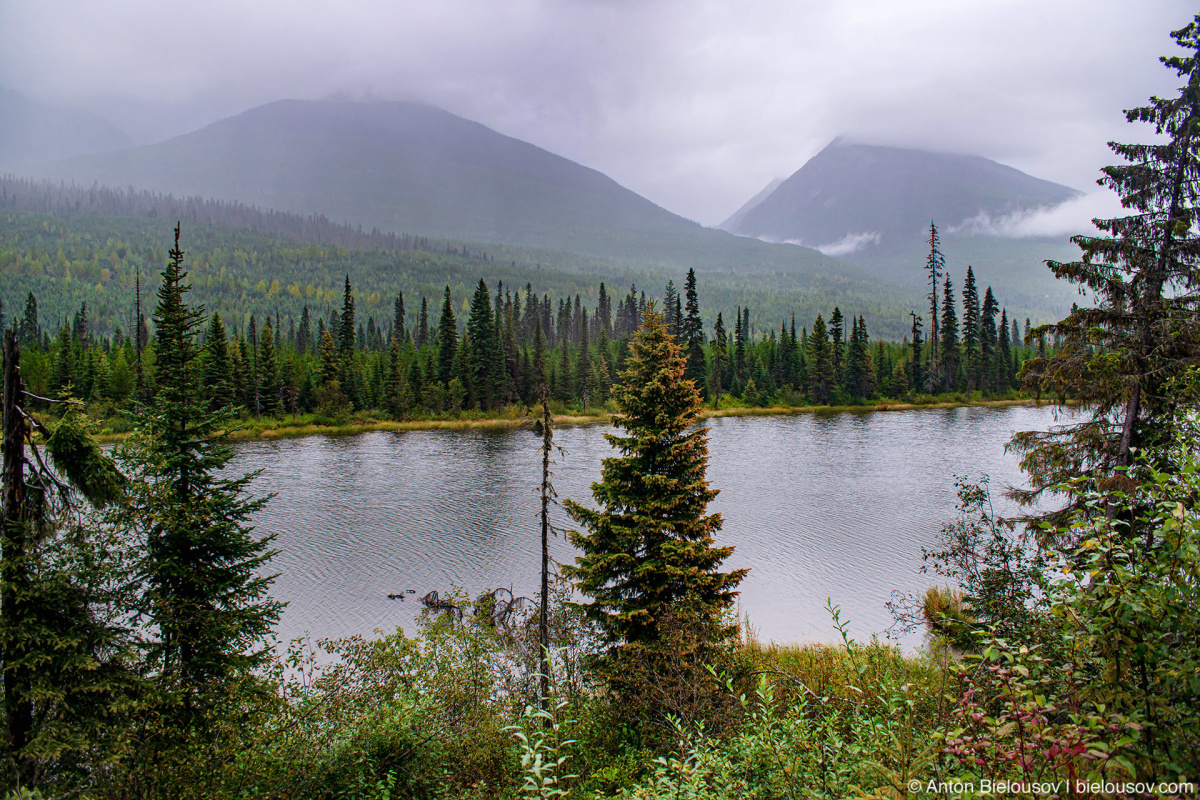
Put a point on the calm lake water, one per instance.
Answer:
(817, 506)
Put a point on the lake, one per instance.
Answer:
(817, 506)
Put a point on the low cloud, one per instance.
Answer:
(1073, 216)
(850, 243)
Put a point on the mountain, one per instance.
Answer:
(735, 220)
(871, 206)
(410, 168)
(850, 196)
(31, 132)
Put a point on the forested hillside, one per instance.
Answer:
(405, 167)
(70, 245)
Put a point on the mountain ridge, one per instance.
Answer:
(887, 196)
(407, 167)
(32, 132)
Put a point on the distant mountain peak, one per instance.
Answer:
(850, 196)
(408, 167)
(32, 132)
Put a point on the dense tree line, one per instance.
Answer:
(67, 259)
(64, 200)
(424, 357)
(135, 608)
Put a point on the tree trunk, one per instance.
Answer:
(547, 489)
(18, 706)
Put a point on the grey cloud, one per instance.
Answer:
(696, 104)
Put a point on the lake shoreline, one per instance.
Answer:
(253, 433)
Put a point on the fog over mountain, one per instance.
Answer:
(693, 104)
(33, 132)
(412, 168)
(852, 197)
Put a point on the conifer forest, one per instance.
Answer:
(1059, 646)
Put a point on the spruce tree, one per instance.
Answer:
(970, 331)
(398, 324)
(447, 340)
(514, 383)
(268, 372)
(304, 340)
(563, 389)
(206, 602)
(252, 361)
(604, 311)
(218, 368)
(329, 361)
(739, 348)
(935, 265)
(820, 364)
(837, 336)
(346, 330)
(66, 653)
(692, 330)
(951, 365)
(1003, 354)
(648, 551)
(481, 330)
(720, 360)
(916, 369)
(31, 329)
(583, 365)
(988, 342)
(670, 318)
(423, 324)
(395, 378)
(1120, 354)
(860, 367)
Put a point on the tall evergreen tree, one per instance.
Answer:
(268, 372)
(31, 329)
(218, 368)
(255, 377)
(916, 369)
(329, 361)
(423, 324)
(481, 331)
(1120, 355)
(692, 330)
(951, 365)
(837, 337)
(820, 364)
(670, 298)
(604, 311)
(447, 340)
(935, 265)
(562, 385)
(720, 360)
(395, 378)
(970, 331)
(583, 364)
(304, 340)
(649, 551)
(206, 597)
(860, 367)
(65, 650)
(988, 341)
(1003, 355)
(347, 331)
(739, 347)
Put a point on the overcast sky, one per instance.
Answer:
(695, 104)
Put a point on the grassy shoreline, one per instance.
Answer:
(307, 426)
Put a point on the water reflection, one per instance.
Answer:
(818, 506)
